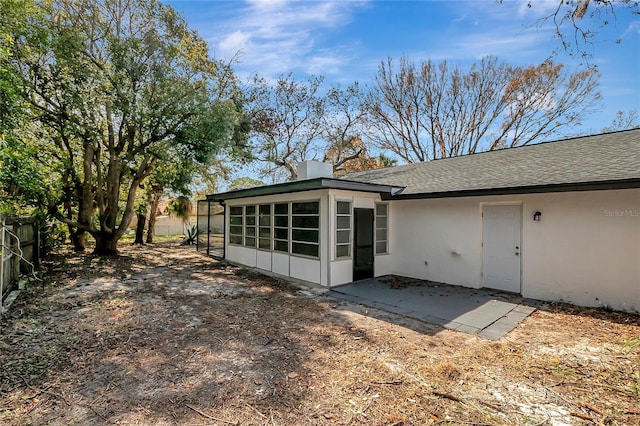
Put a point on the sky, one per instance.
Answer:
(345, 41)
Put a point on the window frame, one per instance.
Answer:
(232, 225)
(379, 228)
(278, 227)
(294, 242)
(247, 226)
(338, 230)
(262, 227)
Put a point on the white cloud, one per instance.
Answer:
(632, 29)
(264, 4)
(237, 41)
(279, 36)
(537, 8)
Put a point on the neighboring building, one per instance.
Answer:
(167, 224)
(557, 221)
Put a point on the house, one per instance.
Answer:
(166, 223)
(556, 221)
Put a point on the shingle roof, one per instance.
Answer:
(607, 158)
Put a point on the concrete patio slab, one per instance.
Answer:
(488, 313)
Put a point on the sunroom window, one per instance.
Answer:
(281, 227)
(305, 225)
(250, 226)
(343, 229)
(264, 227)
(235, 225)
(382, 228)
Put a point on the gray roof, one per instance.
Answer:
(609, 160)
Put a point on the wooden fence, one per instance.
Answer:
(19, 249)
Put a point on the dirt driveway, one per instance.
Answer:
(163, 336)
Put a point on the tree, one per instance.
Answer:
(343, 126)
(624, 120)
(578, 22)
(181, 208)
(429, 111)
(118, 85)
(286, 123)
(176, 176)
(21, 179)
(293, 121)
(245, 182)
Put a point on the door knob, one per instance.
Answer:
(517, 253)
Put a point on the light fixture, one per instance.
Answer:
(537, 216)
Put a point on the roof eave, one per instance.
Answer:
(533, 189)
(304, 185)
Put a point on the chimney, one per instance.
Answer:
(312, 169)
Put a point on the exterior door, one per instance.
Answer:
(363, 244)
(501, 247)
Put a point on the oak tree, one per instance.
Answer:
(118, 85)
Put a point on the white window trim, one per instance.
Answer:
(350, 229)
(376, 231)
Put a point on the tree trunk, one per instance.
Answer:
(140, 229)
(77, 237)
(153, 210)
(106, 244)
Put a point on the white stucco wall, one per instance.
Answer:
(425, 233)
(585, 250)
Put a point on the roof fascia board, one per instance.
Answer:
(301, 186)
(583, 186)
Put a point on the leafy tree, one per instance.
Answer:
(21, 180)
(181, 208)
(244, 183)
(428, 111)
(118, 86)
(386, 161)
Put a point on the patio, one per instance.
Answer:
(488, 313)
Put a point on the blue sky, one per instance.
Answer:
(346, 40)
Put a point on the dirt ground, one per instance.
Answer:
(162, 335)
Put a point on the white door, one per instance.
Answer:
(501, 247)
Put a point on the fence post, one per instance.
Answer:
(36, 244)
(15, 248)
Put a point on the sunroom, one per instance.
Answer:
(317, 230)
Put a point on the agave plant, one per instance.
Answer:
(191, 237)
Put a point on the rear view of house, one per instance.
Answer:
(557, 221)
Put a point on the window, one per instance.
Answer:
(250, 226)
(305, 224)
(235, 225)
(343, 229)
(382, 228)
(281, 227)
(264, 226)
